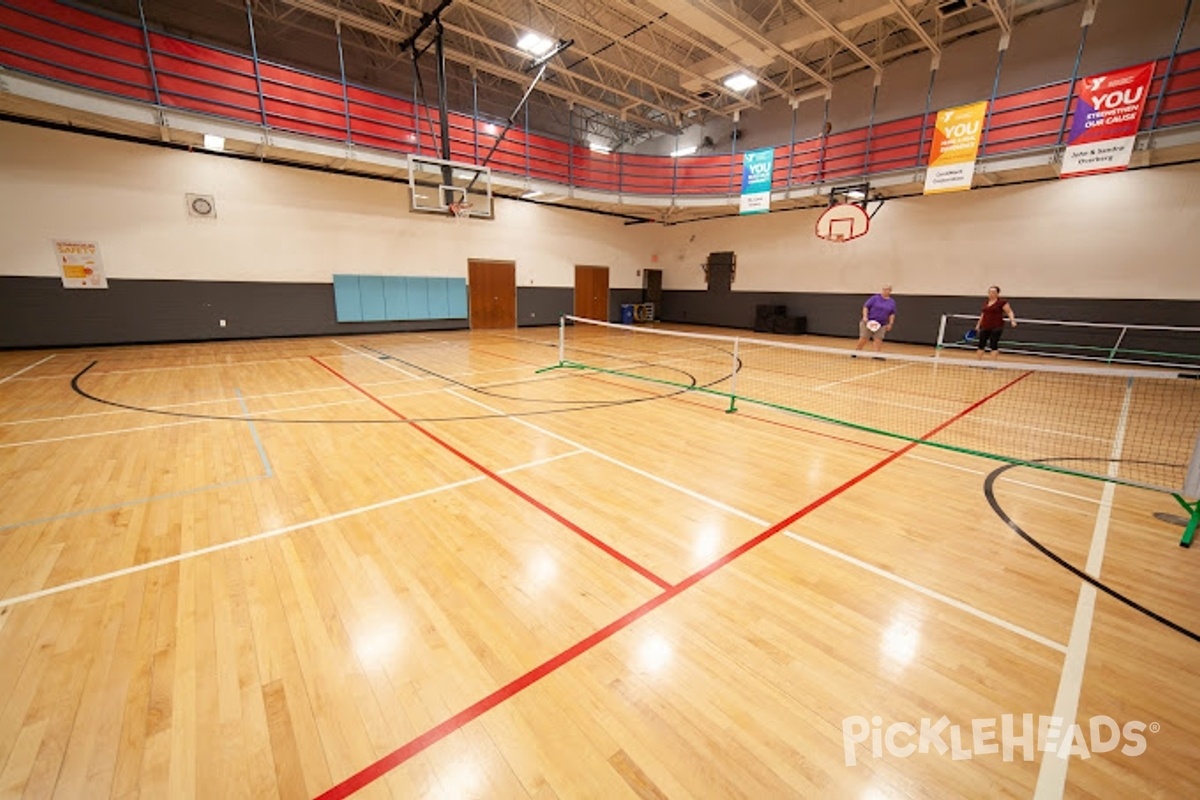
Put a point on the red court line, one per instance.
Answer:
(540, 506)
(742, 414)
(443, 729)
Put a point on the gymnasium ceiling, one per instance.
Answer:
(637, 68)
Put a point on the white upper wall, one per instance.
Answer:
(1125, 235)
(274, 223)
(1128, 235)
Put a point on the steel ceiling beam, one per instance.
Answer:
(555, 69)
(746, 32)
(649, 54)
(914, 25)
(836, 33)
(386, 32)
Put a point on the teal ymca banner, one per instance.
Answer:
(757, 166)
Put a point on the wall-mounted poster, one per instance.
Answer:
(80, 265)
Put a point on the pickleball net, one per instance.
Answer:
(1131, 426)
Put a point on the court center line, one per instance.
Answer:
(1052, 772)
(258, 537)
(713, 502)
(413, 747)
(26, 369)
(511, 487)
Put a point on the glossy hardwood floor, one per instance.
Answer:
(411, 566)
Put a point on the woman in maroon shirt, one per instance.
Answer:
(991, 322)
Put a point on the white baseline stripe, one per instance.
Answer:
(763, 523)
(1052, 773)
(258, 537)
(26, 369)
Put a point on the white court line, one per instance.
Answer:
(1014, 481)
(168, 369)
(930, 593)
(337, 388)
(980, 419)
(412, 375)
(26, 369)
(271, 534)
(763, 523)
(824, 386)
(358, 399)
(1052, 773)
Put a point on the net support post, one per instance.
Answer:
(937, 351)
(733, 373)
(1191, 488)
(562, 339)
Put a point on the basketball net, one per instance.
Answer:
(460, 210)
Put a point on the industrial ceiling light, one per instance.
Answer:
(535, 44)
(740, 82)
(214, 143)
(684, 151)
(596, 147)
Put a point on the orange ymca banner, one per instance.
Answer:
(956, 137)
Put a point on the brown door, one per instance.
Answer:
(591, 292)
(492, 293)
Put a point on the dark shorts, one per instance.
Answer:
(989, 339)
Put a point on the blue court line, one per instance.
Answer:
(262, 454)
(126, 504)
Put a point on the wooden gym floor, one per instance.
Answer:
(424, 570)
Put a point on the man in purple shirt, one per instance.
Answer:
(879, 312)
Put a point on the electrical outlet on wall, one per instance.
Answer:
(221, 323)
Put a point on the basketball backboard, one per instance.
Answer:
(437, 185)
(842, 222)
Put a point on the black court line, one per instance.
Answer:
(692, 383)
(989, 486)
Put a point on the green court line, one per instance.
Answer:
(733, 398)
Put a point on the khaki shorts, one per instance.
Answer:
(865, 333)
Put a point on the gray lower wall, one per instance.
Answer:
(39, 312)
(917, 316)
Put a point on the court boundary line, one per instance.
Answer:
(745, 515)
(934, 594)
(1052, 771)
(511, 487)
(395, 758)
(268, 534)
(26, 369)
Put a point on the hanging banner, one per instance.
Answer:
(956, 137)
(80, 265)
(1108, 111)
(757, 167)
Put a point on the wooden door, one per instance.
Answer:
(591, 292)
(492, 290)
